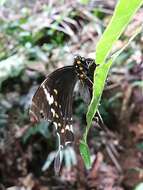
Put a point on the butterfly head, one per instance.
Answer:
(78, 58)
(81, 66)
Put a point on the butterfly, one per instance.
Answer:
(54, 97)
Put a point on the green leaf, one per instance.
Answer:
(118, 23)
(99, 80)
(123, 13)
(100, 76)
(41, 128)
(85, 153)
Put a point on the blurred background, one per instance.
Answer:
(37, 37)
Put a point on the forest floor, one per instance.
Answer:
(117, 152)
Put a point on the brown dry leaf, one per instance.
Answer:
(38, 67)
(103, 176)
(28, 182)
(20, 131)
(137, 130)
(132, 178)
(96, 166)
(108, 178)
(130, 161)
(44, 188)
(69, 175)
(137, 22)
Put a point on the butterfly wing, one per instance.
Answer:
(53, 102)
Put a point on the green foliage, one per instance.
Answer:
(85, 2)
(41, 128)
(139, 186)
(115, 28)
(97, 12)
(11, 67)
(140, 146)
(138, 83)
(104, 46)
(123, 13)
(3, 117)
(2, 2)
(25, 38)
(85, 153)
(100, 77)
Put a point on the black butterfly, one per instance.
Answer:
(53, 99)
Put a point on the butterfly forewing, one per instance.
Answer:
(53, 102)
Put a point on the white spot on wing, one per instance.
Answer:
(55, 124)
(55, 91)
(53, 111)
(59, 125)
(67, 127)
(49, 98)
(71, 128)
(56, 103)
(57, 116)
(59, 139)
